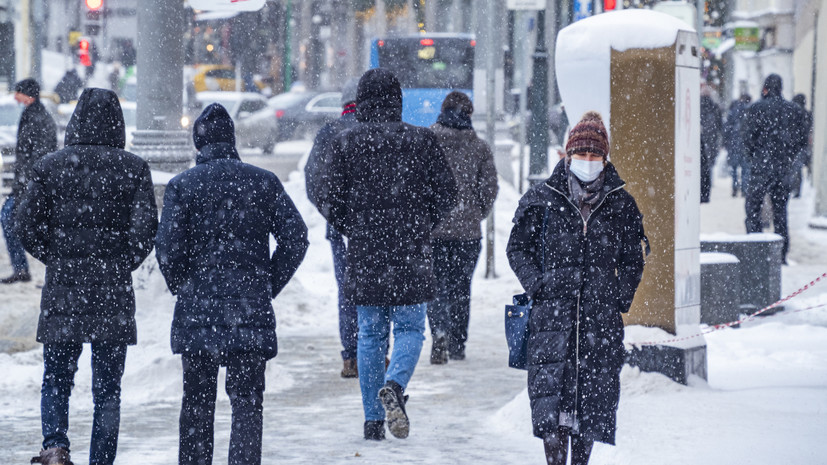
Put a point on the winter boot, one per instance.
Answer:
(350, 369)
(53, 456)
(17, 277)
(375, 430)
(439, 351)
(394, 403)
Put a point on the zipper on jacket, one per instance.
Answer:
(576, 425)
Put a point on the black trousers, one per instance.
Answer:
(449, 312)
(777, 186)
(245, 387)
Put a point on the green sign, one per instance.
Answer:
(747, 38)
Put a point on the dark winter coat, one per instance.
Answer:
(472, 165)
(89, 214)
(774, 134)
(733, 132)
(320, 157)
(592, 271)
(711, 128)
(389, 187)
(213, 247)
(36, 136)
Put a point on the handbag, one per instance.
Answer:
(518, 313)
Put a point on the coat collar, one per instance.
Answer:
(217, 151)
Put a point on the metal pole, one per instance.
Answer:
(160, 139)
(523, 99)
(538, 133)
(490, 130)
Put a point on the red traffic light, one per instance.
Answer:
(83, 52)
(94, 4)
(609, 5)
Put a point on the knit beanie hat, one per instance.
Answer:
(28, 87)
(589, 135)
(213, 126)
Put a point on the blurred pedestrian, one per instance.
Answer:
(457, 240)
(774, 134)
(213, 248)
(319, 157)
(36, 136)
(589, 230)
(389, 187)
(711, 125)
(69, 85)
(804, 155)
(734, 143)
(89, 215)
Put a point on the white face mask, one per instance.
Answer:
(586, 171)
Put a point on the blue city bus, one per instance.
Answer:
(428, 66)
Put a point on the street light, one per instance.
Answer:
(94, 5)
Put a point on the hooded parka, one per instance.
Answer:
(89, 215)
(213, 247)
(389, 187)
(592, 270)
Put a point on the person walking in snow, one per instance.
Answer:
(804, 155)
(389, 187)
(734, 143)
(711, 125)
(36, 136)
(213, 248)
(590, 231)
(318, 159)
(89, 214)
(456, 242)
(773, 136)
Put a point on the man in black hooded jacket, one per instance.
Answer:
(36, 136)
(389, 186)
(774, 134)
(213, 248)
(89, 214)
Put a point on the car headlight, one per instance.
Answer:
(185, 121)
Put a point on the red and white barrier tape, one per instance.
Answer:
(713, 328)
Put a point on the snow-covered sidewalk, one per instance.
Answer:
(765, 402)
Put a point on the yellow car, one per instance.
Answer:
(217, 78)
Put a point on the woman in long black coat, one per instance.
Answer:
(582, 269)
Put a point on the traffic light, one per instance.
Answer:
(609, 5)
(84, 52)
(94, 10)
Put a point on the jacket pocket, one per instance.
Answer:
(547, 347)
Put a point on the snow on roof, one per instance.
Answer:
(583, 52)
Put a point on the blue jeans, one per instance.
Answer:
(17, 255)
(245, 387)
(374, 328)
(348, 325)
(60, 363)
(449, 312)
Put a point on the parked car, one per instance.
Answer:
(300, 115)
(217, 78)
(255, 124)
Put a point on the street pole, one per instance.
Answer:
(287, 77)
(538, 133)
(490, 129)
(159, 138)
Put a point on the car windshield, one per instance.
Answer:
(10, 114)
(287, 99)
